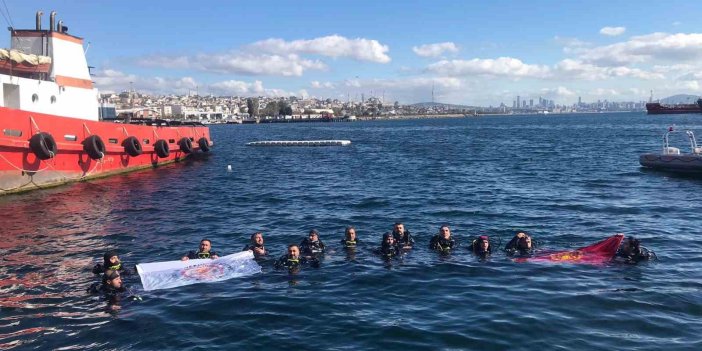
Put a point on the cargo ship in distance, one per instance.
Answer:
(51, 132)
(656, 108)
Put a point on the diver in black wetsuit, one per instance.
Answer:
(350, 240)
(293, 259)
(256, 245)
(312, 246)
(443, 242)
(520, 245)
(388, 247)
(111, 284)
(481, 246)
(111, 262)
(631, 251)
(203, 253)
(403, 238)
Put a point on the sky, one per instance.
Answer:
(480, 53)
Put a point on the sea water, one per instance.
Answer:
(569, 180)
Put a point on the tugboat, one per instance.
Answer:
(51, 130)
(670, 159)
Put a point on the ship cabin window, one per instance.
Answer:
(171, 141)
(53, 99)
(112, 141)
(35, 97)
(12, 132)
(70, 137)
(146, 141)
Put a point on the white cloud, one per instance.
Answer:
(604, 92)
(570, 68)
(110, 80)
(503, 66)
(238, 63)
(612, 31)
(572, 45)
(318, 85)
(655, 47)
(559, 92)
(241, 88)
(435, 50)
(360, 49)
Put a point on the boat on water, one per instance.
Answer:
(51, 129)
(671, 159)
(656, 108)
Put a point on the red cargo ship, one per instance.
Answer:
(51, 129)
(655, 108)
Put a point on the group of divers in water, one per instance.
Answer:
(311, 249)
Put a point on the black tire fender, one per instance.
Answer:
(186, 145)
(161, 148)
(94, 147)
(204, 144)
(43, 145)
(132, 146)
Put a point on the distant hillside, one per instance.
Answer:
(680, 99)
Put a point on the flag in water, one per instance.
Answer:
(598, 253)
(171, 274)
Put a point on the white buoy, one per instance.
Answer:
(229, 168)
(300, 143)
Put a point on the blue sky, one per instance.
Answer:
(477, 53)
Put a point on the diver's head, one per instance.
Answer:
(113, 279)
(111, 258)
(314, 235)
(257, 238)
(523, 241)
(388, 239)
(399, 228)
(293, 251)
(205, 245)
(445, 232)
(632, 246)
(482, 244)
(350, 233)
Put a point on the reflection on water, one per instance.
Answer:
(568, 180)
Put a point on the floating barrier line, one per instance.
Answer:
(300, 143)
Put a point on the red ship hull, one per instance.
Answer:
(655, 108)
(21, 169)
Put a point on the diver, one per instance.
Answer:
(203, 253)
(111, 262)
(388, 247)
(443, 242)
(481, 246)
(111, 284)
(631, 251)
(293, 259)
(312, 246)
(403, 239)
(350, 240)
(256, 245)
(521, 244)
(112, 288)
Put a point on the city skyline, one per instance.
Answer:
(469, 54)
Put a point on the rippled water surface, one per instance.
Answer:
(569, 180)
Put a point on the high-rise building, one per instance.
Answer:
(531, 102)
(518, 104)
